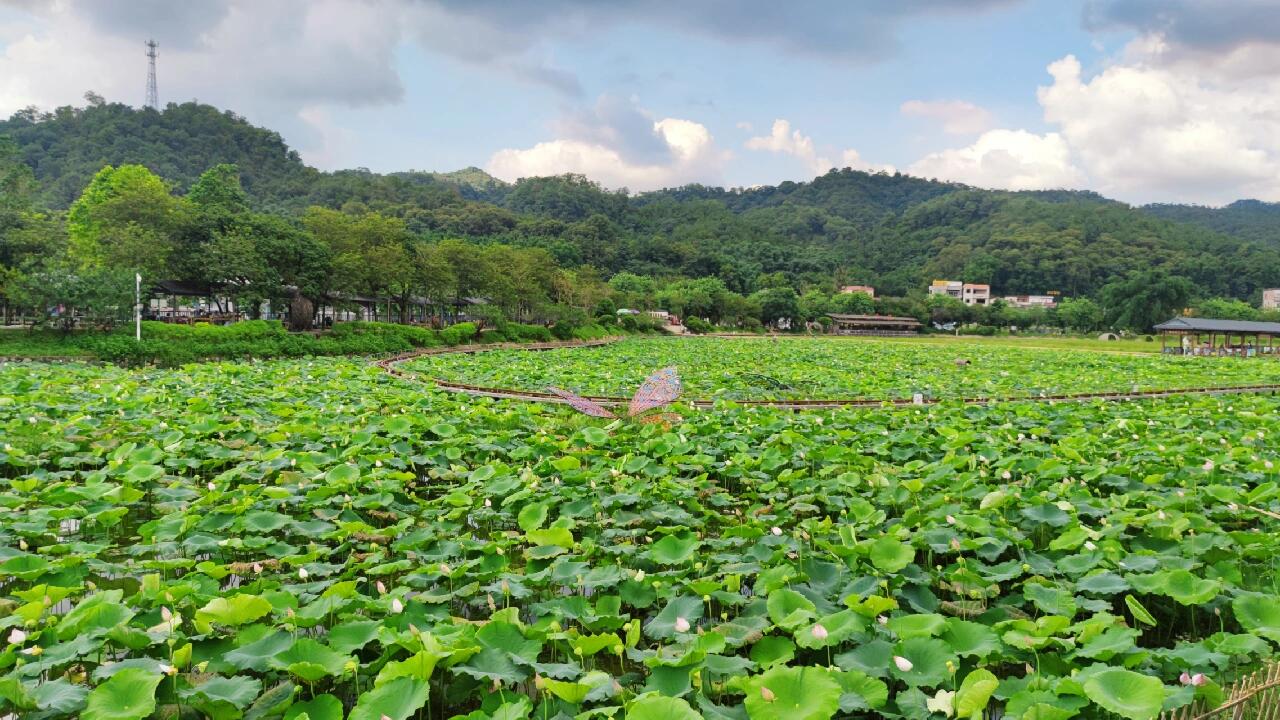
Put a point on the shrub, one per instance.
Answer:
(697, 325)
(458, 334)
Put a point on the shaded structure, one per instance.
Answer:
(1219, 338)
(186, 302)
(873, 325)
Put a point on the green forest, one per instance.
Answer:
(90, 195)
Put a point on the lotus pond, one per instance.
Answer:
(319, 540)
(737, 369)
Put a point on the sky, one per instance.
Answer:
(1140, 100)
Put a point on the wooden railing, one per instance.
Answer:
(1253, 697)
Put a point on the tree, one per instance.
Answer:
(1144, 298)
(815, 304)
(125, 219)
(1080, 314)
(778, 305)
(1225, 309)
(857, 303)
(302, 267)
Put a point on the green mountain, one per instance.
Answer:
(890, 230)
(1252, 220)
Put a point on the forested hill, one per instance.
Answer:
(893, 231)
(1245, 219)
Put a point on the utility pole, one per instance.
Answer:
(153, 97)
(137, 307)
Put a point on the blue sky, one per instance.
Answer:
(1142, 100)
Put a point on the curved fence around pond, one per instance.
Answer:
(391, 365)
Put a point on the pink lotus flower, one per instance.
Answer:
(382, 589)
(1208, 466)
(903, 664)
(682, 625)
(819, 632)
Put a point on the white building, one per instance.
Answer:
(968, 293)
(1271, 299)
(1030, 301)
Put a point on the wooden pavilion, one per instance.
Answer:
(1210, 336)
(873, 325)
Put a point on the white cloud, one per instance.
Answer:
(609, 156)
(957, 117)
(787, 141)
(1007, 159)
(1149, 131)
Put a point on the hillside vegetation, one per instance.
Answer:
(895, 232)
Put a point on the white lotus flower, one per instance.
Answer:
(17, 637)
(776, 530)
(1088, 545)
(211, 486)
(682, 625)
(882, 619)
(397, 607)
(903, 664)
(819, 632)
(639, 575)
(1006, 475)
(302, 573)
(488, 502)
(951, 520)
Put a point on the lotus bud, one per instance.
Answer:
(257, 568)
(639, 575)
(1185, 678)
(166, 614)
(377, 463)
(1006, 475)
(1160, 514)
(382, 589)
(767, 694)
(682, 625)
(819, 632)
(955, 543)
(1208, 466)
(488, 502)
(882, 620)
(211, 486)
(951, 520)
(1199, 679)
(776, 530)
(397, 607)
(302, 573)
(444, 569)
(23, 544)
(902, 663)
